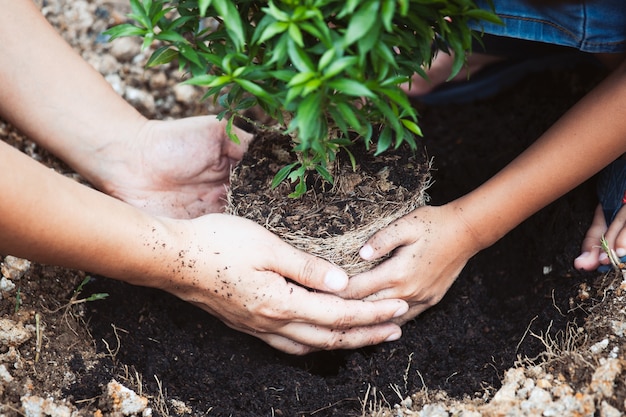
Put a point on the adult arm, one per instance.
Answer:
(228, 266)
(176, 168)
(433, 244)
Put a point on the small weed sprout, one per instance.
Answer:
(93, 297)
(618, 265)
(18, 299)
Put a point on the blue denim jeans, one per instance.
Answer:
(591, 26)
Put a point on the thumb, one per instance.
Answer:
(310, 271)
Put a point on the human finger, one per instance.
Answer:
(302, 338)
(387, 239)
(284, 344)
(331, 311)
(306, 269)
(615, 237)
(382, 277)
(590, 248)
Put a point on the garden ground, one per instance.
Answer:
(521, 331)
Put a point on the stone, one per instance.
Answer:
(35, 406)
(6, 285)
(125, 401)
(140, 98)
(607, 410)
(14, 268)
(125, 49)
(185, 93)
(12, 333)
(603, 379)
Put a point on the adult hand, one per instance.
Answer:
(260, 285)
(430, 246)
(174, 168)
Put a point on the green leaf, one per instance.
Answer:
(361, 22)
(229, 130)
(230, 15)
(387, 14)
(125, 29)
(158, 14)
(202, 80)
(339, 120)
(301, 78)
(348, 8)
(147, 40)
(351, 88)
(404, 7)
(97, 296)
(322, 34)
(189, 53)
(326, 58)
(296, 35)
(399, 97)
(324, 173)
(384, 141)
(254, 88)
(299, 58)
(204, 5)
(458, 63)
(412, 126)
(300, 188)
(366, 43)
(272, 30)
(391, 116)
(349, 115)
(220, 81)
(275, 12)
(282, 174)
(293, 93)
(283, 75)
(339, 65)
(311, 86)
(352, 158)
(163, 55)
(309, 117)
(280, 52)
(384, 52)
(139, 13)
(171, 36)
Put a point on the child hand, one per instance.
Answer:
(430, 246)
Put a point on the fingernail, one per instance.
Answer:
(366, 252)
(583, 255)
(603, 257)
(402, 311)
(336, 280)
(394, 336)
(620, 252)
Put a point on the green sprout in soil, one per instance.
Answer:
(18, 299)
(616, 262)
(328, 72)
(93, 297)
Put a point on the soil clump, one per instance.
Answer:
(331, 220)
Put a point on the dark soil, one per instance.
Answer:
(463, 345)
